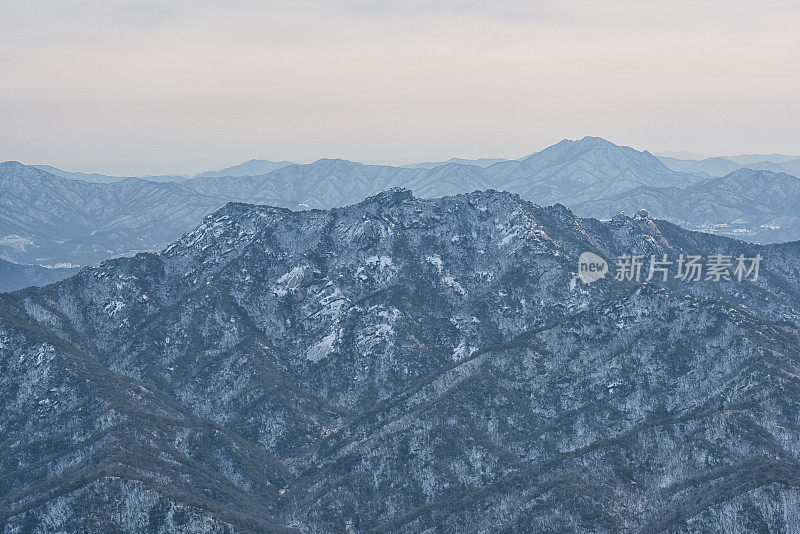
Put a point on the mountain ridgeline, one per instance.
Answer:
(14, 276)
(50, 219)
(569, 171)
(720, 166)
(407, 365)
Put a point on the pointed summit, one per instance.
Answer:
(391, 197)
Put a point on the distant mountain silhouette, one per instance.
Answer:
(760, 206)
(720, 166)
(480, 162)
(14, 276)
(63, 220)
(248, 168)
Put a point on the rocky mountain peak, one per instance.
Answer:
(402, 364)
(391, 197)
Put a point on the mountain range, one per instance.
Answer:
(248, 168)
(570, 171)
(720, 166)
(14, 276)
(751, 205)
(480, 162)
(252, 167)
(50, 219)
(404, 365)
(105, 178)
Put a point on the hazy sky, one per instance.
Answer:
(182, 85)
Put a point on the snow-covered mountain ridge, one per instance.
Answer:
(50, 219)
(402, 364)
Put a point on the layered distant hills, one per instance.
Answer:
(405, 365)
(248, 168)
(568, 172)
(48, 219)
(49, 216)
(759, 206)
(720, 166)
(14, 276)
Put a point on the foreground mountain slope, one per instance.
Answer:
(85, 448)
(403, 364)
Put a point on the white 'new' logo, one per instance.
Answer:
(591, 267)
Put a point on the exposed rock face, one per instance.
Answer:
(441, 366)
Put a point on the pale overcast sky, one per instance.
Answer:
(182, 85)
